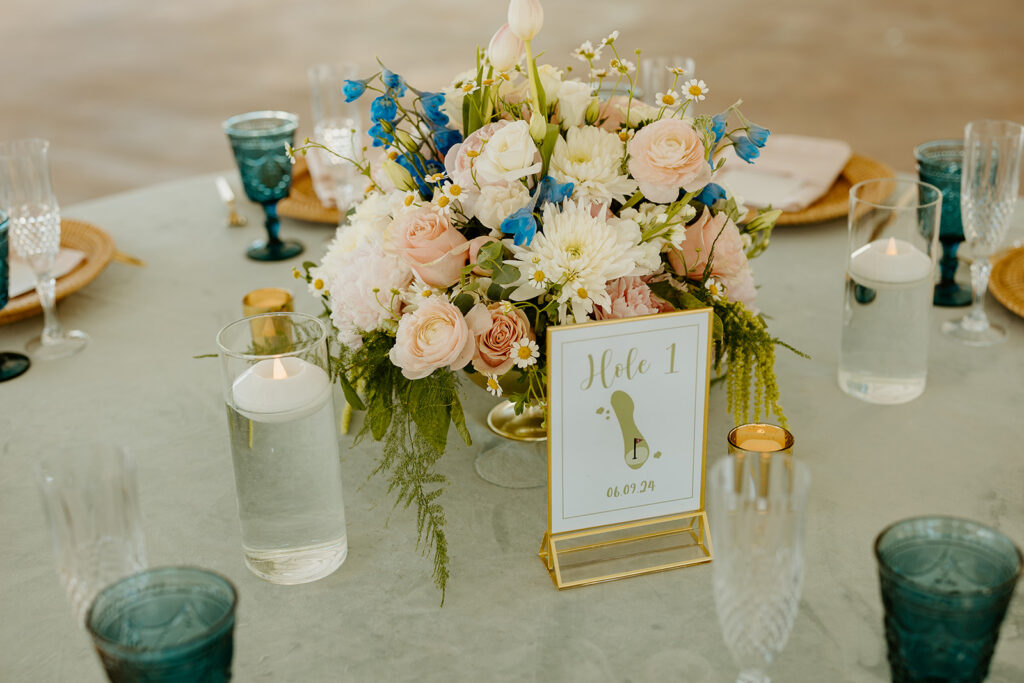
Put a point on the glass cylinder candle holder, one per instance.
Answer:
(887, 299)
(284, 445)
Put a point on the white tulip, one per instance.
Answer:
(505, 49)
(525, 18)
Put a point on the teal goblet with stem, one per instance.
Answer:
(259, 140)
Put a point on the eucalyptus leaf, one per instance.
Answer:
(464, 302)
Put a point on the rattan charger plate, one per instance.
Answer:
(99, 250)
(302, 202)
(1007, 281)
(836, 202)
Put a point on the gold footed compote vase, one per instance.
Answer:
(518, 457)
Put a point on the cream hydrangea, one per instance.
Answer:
(578, 252)
(591, 159)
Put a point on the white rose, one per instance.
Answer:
(497, 202)
(551, 81)
(509, 155)
(638, 111)
(573, 99)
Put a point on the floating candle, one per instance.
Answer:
(891, 261)
(281, 389)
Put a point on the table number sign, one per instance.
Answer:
(627, 417)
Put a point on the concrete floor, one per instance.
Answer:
(132, 93)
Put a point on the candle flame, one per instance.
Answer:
(279, 371)
(891, 248)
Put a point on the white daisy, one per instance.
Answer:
(591, 159)
(493, 387)
(695, 90)
(677, 70)
(623, 66)
(525, 353)
(667, 99)
(587, 52)
(610, 38)
(599, 73)
(715, 287)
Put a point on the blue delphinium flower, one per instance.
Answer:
(419, 170)
(521, 225)
(745, 149)
(380, 136)
(383, 109)
(394, 82)
(711, 193)
(550, 190)
(432, 102)
(353, 90)
(718, 124)
(445, 139)
(757, 134)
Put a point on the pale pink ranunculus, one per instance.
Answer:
(498, 329)
(435, 335)
(665, 157)
(459, 164)
(612, 111)
(729, 261)
(429, 244)
(630, 297)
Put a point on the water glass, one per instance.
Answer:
(655, 77)
(172, 624)
(887, 298)
(91, 501)
(946, 584)
(11, 364)
(758, 505)
(26, 195)
(258, 140)
(284, 444)
(337, 126)
(988, 192)
(939, 163)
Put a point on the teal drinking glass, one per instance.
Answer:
(258, 140)
(167, 625)
(939, 162)
(11, 364)
(946, 584)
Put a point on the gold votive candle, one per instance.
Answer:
(762, 441)
(268, 331)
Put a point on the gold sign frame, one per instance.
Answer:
(636, 547)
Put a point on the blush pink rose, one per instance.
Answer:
(729, 262)
(666, 156)
(630, 297)
(459, 164)
(433, 336)
(498, 331)
(429, 244)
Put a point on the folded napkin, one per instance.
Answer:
(792, 172)
(21, 279)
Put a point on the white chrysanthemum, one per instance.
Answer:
(495, 203)
(360, 288)
(591, 159)
(662, 230)
(578, 251)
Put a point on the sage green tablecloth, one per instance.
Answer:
(955, 450)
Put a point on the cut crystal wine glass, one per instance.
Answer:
(988, 193)
(757, 519)
(26, 194)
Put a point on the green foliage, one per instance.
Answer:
(410, 418)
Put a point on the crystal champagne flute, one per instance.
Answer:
(757, 517)
(988, 192)
(27, 196)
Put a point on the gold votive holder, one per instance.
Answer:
(759, 441)
(269, 331)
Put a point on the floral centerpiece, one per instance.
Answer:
(517, 198)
